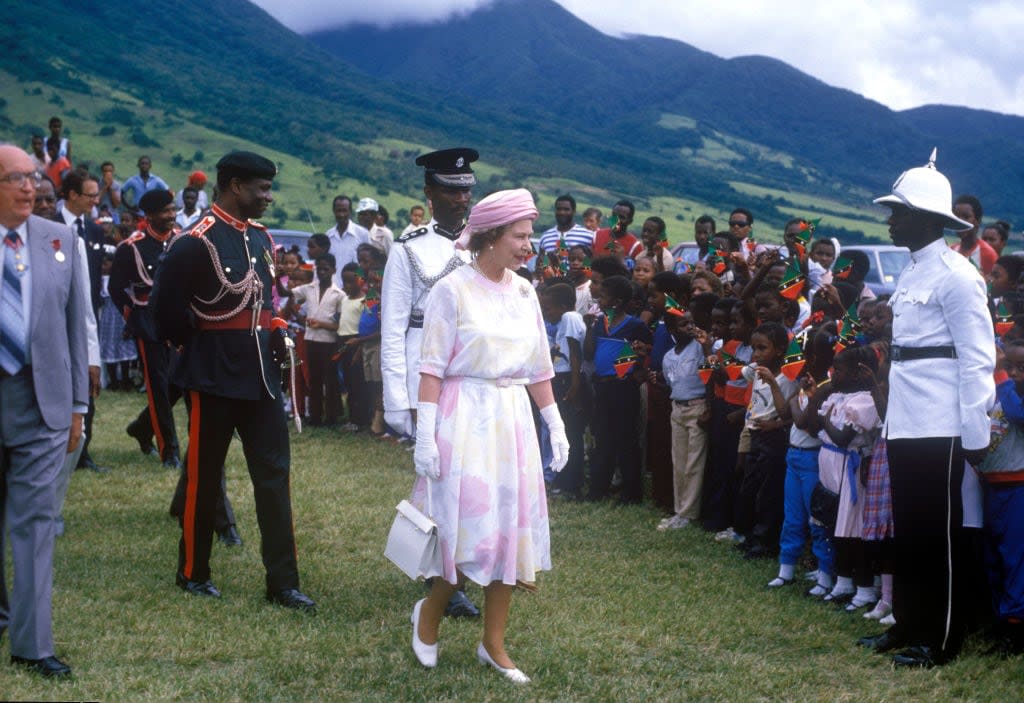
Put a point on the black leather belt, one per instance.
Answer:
(897, 353)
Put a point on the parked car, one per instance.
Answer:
(289, 238)
(687, 251)
(886, 261)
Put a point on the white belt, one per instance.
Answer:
(503, 382)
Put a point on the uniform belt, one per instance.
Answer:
(691, 401)
(898, 353)
(241, 321)
(416, 324)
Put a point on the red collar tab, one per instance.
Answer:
(157, 236)
(240, 225)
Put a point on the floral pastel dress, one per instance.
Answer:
(835, 469)
(486, 341)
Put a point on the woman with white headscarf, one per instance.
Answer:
(484, 349)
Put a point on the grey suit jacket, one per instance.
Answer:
(57, 331)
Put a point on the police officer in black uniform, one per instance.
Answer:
(212, 297)
(131, 282)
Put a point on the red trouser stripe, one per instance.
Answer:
(149, 397)
(192, 467)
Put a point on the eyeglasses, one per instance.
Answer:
(19, 178)
(738, 223)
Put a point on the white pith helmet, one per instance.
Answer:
(926, 189)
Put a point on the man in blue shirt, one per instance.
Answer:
(137, 186)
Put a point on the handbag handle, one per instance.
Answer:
(430, 502)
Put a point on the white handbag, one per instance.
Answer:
(412, 542)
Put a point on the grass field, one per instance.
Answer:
(627, 614)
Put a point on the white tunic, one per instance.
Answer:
(404, 292)
(940, 301)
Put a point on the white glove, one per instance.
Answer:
(426, 457)
(399, 421)
(559, 442)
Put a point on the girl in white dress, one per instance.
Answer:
(484, 348)
(849, 427)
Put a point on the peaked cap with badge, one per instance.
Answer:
(449, 167)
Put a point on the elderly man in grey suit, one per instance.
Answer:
(44, 392)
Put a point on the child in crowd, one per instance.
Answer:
(1004, 277)
(353, 285)
(689, 438)
(601, 268)
(759, 501)
(849, 425)
(373, 261)
(823, 253)
(1002, 474)
(652, 236)
(643, 272)
(736, 394)
(579, 276)
(702, 281)
(558, 305)
(317, 245)
(290, 260)
(322, 302)
(116, 352)
(716, 496)
(657, 449)
(300, 393)
(877, 525)
(802, 472)
(609, 344)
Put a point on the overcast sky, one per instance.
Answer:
(903, 53)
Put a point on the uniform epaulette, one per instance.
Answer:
(135, 237)
(258, 225)
(402, 239)
(199, 228)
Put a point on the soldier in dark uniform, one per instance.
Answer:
(212, 297)
(131, 282)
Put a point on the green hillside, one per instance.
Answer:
(248, 81)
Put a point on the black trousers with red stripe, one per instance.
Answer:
(158, 415)
(263, 429)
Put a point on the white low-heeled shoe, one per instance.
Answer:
(425, 653)
(513, 675)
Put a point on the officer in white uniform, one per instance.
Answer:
(940, 391)
(416, 262)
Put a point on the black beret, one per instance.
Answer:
(450, 167)
(155, 201)
(246, 165)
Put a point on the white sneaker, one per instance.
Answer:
(889, 620)
(675, 522)
(730, 535)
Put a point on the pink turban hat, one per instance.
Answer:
(497, 209)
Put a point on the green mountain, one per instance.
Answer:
(189, 80)
(557, 69)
